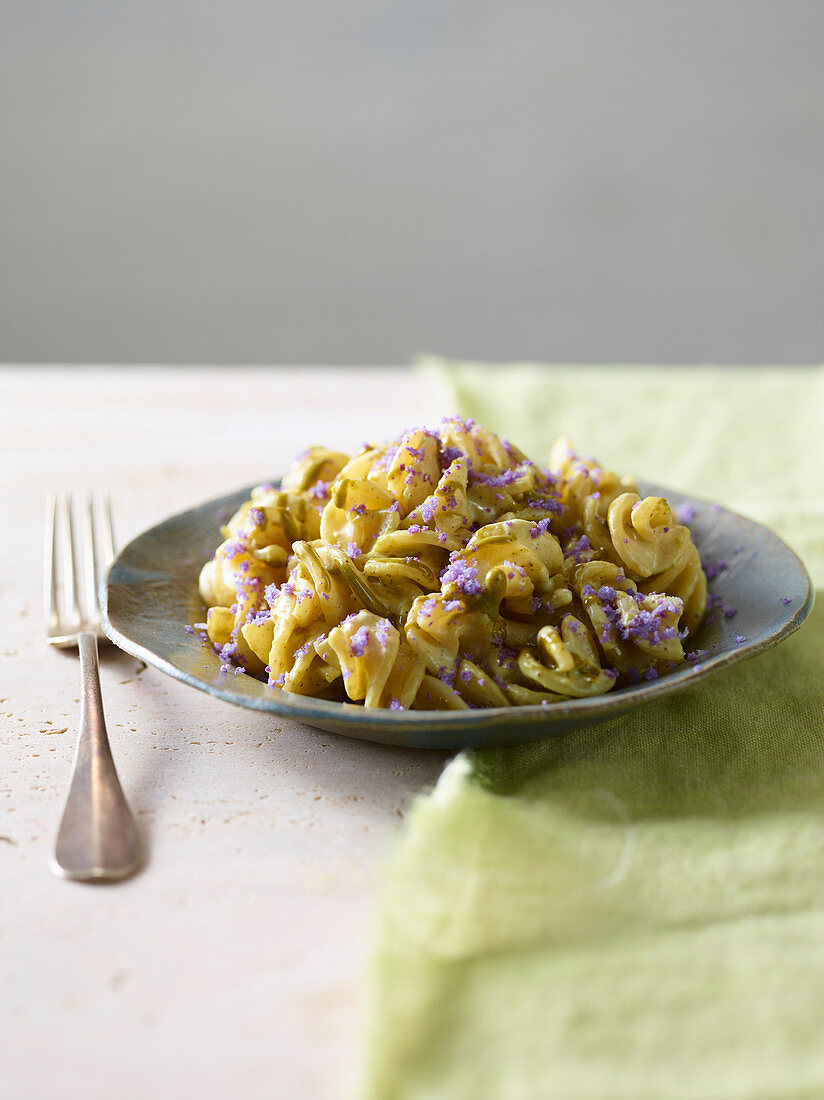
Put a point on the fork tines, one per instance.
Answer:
(79, 547)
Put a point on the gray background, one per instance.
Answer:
(356, 182)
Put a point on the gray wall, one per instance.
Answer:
(356, 181)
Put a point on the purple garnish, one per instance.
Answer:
(271, 591)
(320, 490)
(383, 631)
(577, 550)
(716, 602)
(713, 568)
(359, 641)
(429, 508)
(428, 606)
(463, 425)
(450, 454)
(548, 505)
(226, 652)
(463, 576)
(498, 480)
(646, 626)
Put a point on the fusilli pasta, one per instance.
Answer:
(446, 570)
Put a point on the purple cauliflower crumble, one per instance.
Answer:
(383, 631)
(463, 576)
(713, 568)
(540, 528)
(429, 508)
(646, 626)
(499, 480)
(450, 454)
(320, 490)
(226, 652)
(577, 550)
(547, 505)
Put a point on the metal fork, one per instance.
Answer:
(97, 840)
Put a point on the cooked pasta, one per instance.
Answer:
(446, 570)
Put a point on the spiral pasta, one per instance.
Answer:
(447, 570)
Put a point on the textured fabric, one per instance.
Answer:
(634, 911)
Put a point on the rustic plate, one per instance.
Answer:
(151, 593)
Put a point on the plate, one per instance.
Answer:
(151, 593)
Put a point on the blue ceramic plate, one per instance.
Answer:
(151, 593)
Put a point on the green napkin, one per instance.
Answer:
(634, 911)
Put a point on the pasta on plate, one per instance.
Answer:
(446, 570)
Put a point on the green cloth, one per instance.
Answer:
(634, 911)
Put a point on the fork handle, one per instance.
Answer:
(97, 840)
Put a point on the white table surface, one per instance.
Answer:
(233, 964)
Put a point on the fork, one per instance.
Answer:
(97, 840)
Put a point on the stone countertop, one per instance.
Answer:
(232, 965)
